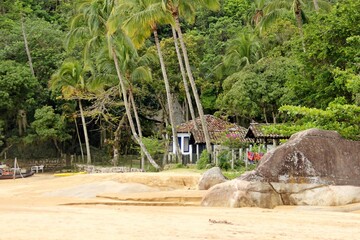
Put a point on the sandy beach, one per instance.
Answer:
(90, 207)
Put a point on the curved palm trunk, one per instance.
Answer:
(132, 101)
(183, 74)
(168, 96)
(88, 155)
(128, 111)
(193, 86)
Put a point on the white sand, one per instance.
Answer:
(32, 208)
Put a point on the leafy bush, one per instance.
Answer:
(204, 160)
(224, 158)
(153, 145)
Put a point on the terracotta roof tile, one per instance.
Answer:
(255, 131)
(217, 129)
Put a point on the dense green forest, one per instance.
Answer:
(102, 70)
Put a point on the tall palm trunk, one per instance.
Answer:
(27, 46)
(299, 21)
(88, 155)
(132, 102)
(116, 144)
(193, 86)
(168, 96)
(79, 139)
(128, 111)
(183, 74)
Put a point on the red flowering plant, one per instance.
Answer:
(233, 140)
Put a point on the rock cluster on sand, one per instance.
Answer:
(210, 178)
(315, 167)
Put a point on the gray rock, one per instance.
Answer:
(239, 193)
(315, 167)
(311, 156)
(210, 178)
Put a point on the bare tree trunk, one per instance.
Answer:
(87, 144)
(128, 111)
(168, 96)
(193, 86)
(27, 46)
(5, 149)
(78, 135)
(265, 117)
(300, 23)
(22, 121)
(316, 5)
(57, 147)
(132, 102)
(274, 117)
(183, 74)
(116, 144)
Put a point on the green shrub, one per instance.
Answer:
(204, 160)
(224, 158)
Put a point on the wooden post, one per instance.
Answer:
(246, 160)
(232, 158)
(197, 152)
(191, 156)
(215, 158)
(240, 154)
(16, 166)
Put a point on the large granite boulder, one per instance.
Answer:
(239, 193)
(210, 178)
(311, 156)
(314, 167)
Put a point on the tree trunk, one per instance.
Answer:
(116, 144)
(4, 150)
(27, 46)
(78, 135)
(183, 74)
(316, 5)
(300, 23)
(168, 96)
(128, 111)
(88, 155)
(193, 86)
(265, 117)
(22, 121)
(132, 101)
(57, 147)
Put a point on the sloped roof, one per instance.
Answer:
(216, 127)
(255, 131)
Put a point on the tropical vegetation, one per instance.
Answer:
(105, 75)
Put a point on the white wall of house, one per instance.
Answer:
(184, 139)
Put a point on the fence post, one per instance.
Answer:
(232, 158)
(245, 159)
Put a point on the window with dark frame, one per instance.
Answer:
(186, 144)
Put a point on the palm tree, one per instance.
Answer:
(127, 105)
(183, 75)
(143, 19)
(278, 8)
(257, 12)
(187, 8)
(95, 15)
(243, 50)
(70, 79)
